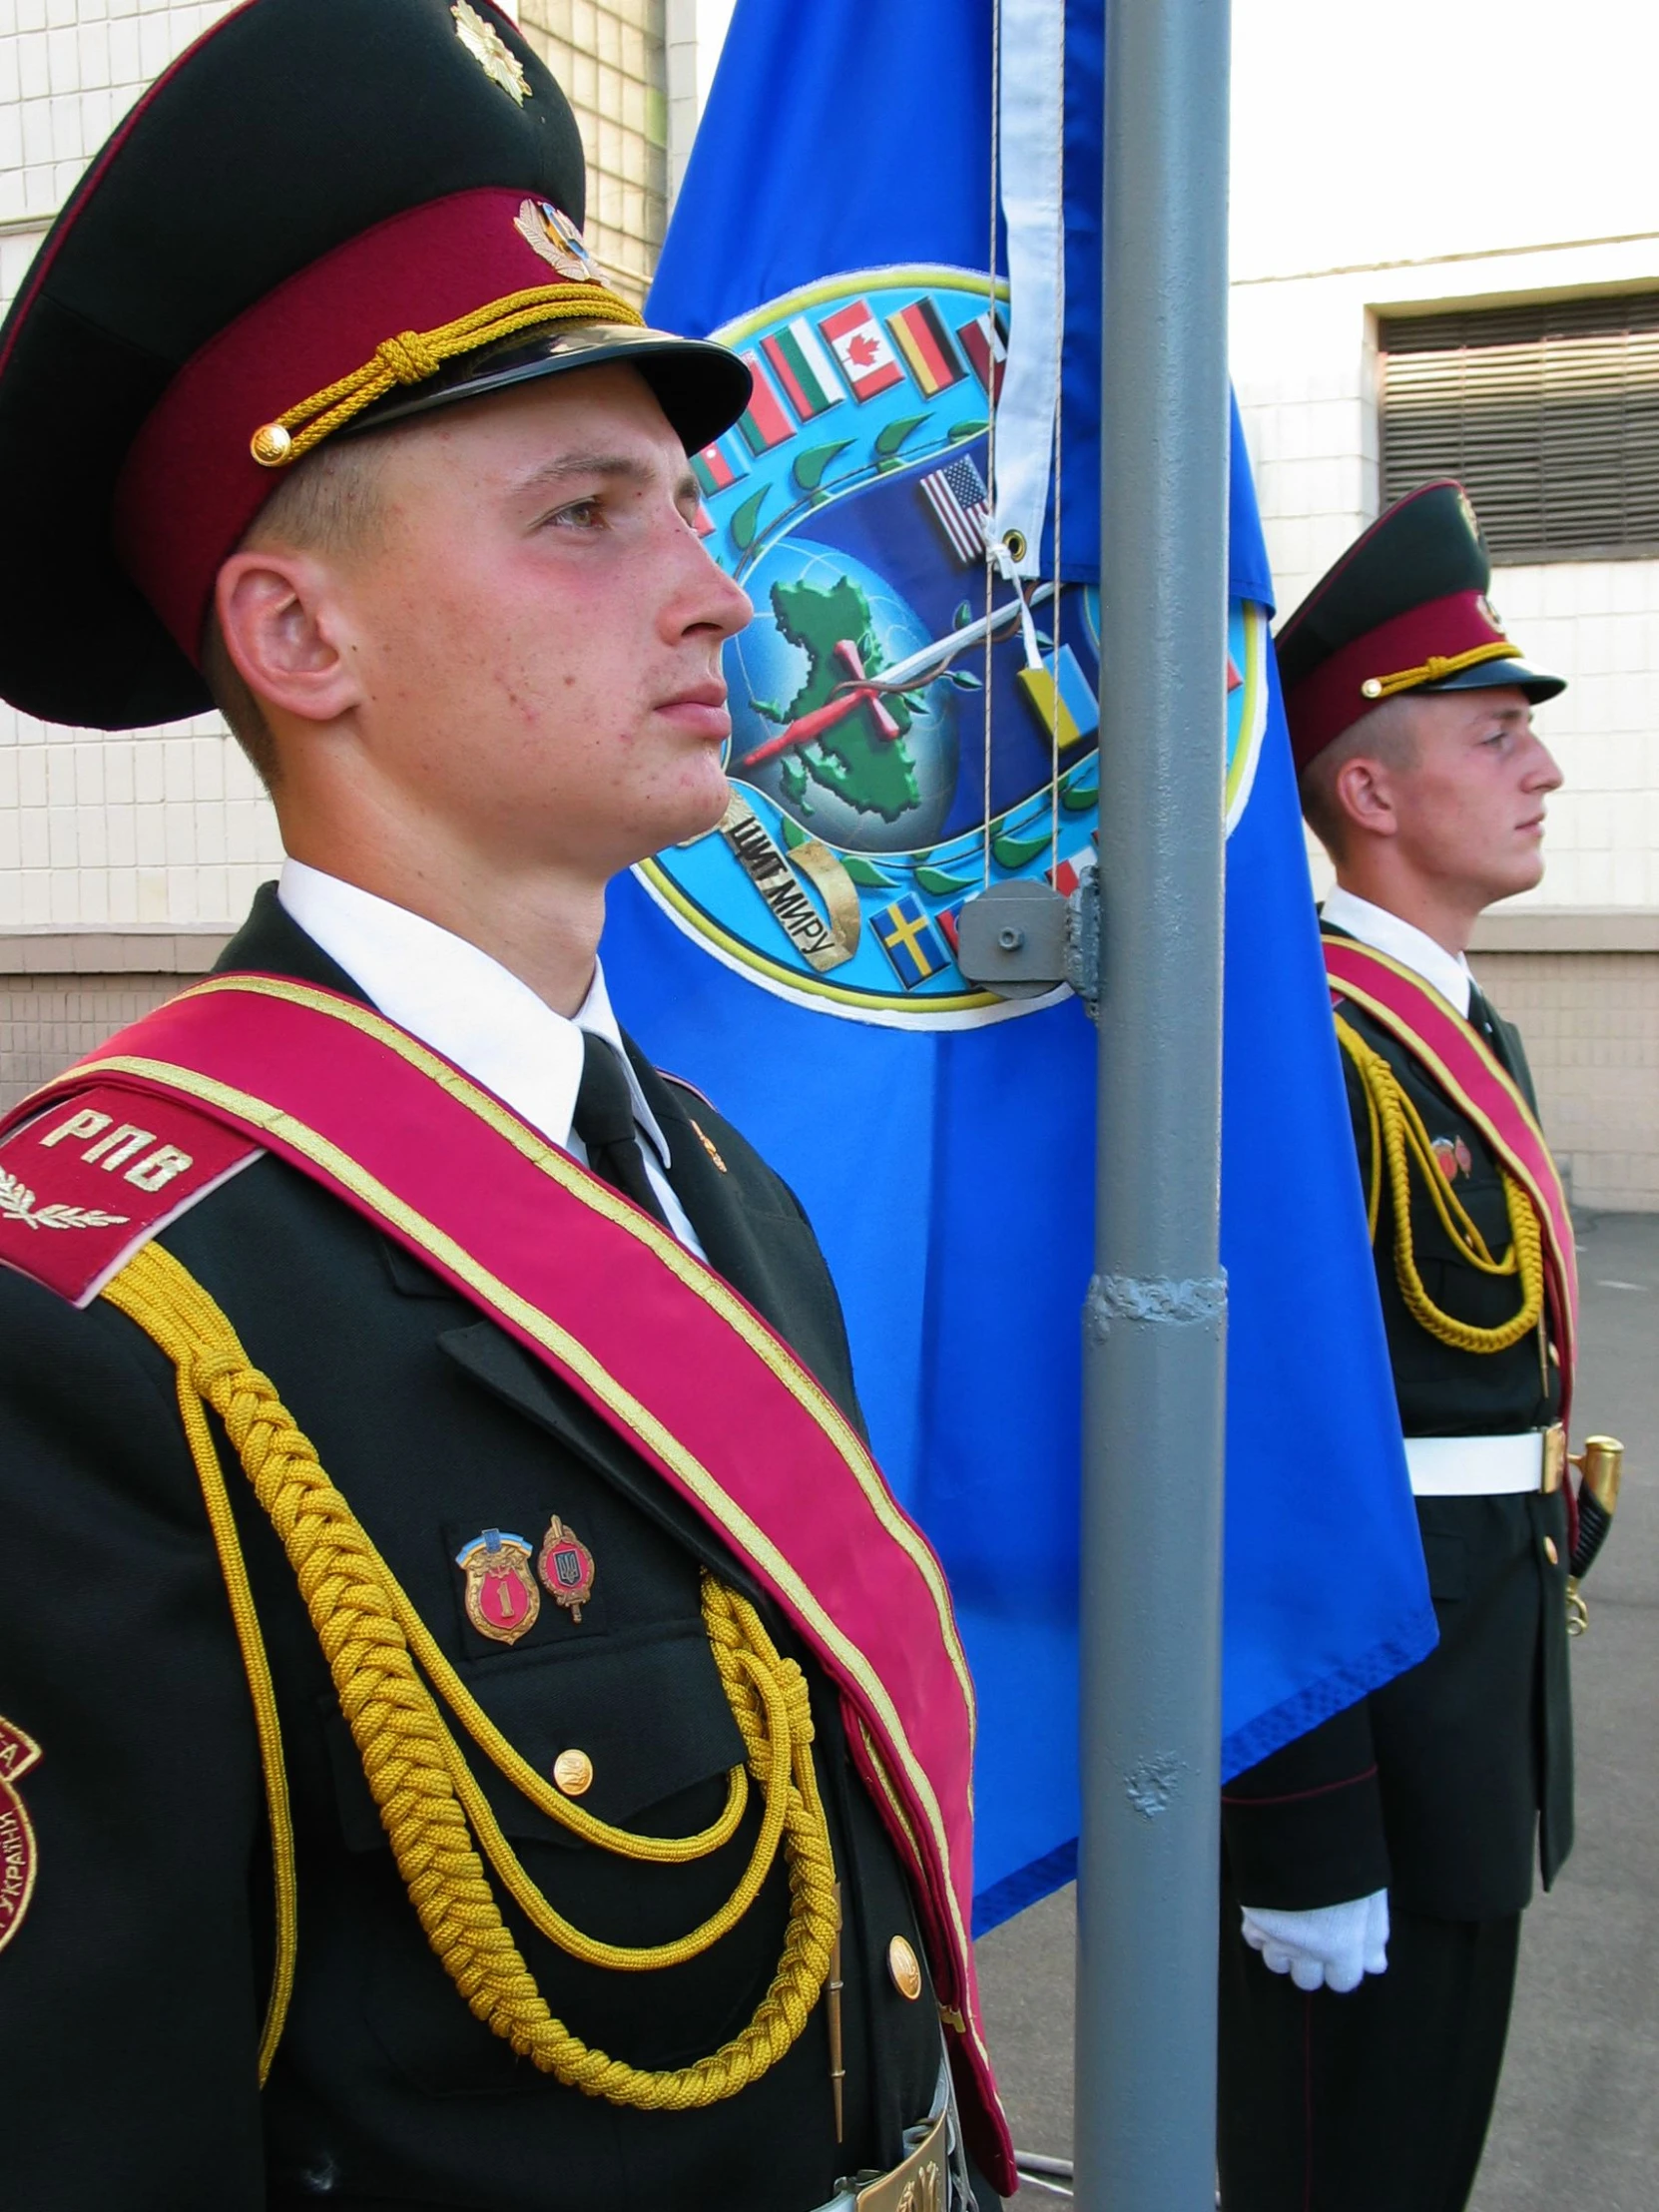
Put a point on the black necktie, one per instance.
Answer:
(604, 1120)
(1483, 1020)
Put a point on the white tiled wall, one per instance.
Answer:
(69, 71)
(1306, 369)
(608, 56)
(100, 829)
(170, 827)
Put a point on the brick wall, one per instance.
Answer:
(48, 1021)
(61, 995)
(1591, 1025)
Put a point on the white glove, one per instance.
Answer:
(1336, 1944)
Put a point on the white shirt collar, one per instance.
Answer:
(461, 1002)
(1448, 972)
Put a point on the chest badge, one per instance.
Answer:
(1452, 1155)
(566, 1567)
(502, 1600)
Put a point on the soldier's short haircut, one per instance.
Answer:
(329, 503)
(1387, 733)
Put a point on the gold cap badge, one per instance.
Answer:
(491, 52)
(549, 231)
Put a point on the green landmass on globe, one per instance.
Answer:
(869, 770)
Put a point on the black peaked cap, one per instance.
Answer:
(1426, 547)
(287, 129)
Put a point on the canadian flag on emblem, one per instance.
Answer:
(861, 347)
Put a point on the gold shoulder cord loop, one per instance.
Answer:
(267, 1725)
(1397, 1139)
(377, 1650)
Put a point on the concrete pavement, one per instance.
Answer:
(1577, 2118)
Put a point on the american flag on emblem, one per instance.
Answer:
(961, 507)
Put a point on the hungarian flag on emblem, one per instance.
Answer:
(867, 360)
(803, 369)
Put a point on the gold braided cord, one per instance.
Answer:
(415, 1769)
(1373, 1189)
(413, 355)
(1399, 1136)
(1436, 669)
(511, 1764)
(267, 1725)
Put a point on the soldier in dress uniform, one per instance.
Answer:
(1376, 1871)
(475, 1729)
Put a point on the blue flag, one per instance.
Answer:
(910, 502)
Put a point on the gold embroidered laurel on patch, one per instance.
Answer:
(18, 1752)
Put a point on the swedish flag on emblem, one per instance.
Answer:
(911, 942)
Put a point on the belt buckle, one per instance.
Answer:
(919, 2183)
(1555, 1459)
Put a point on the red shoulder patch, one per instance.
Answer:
(86, 1182)
(18, 1752)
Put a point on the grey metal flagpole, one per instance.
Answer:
(1154, 1324)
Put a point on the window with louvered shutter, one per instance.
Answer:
(1548, 414)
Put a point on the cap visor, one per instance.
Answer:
(1537, 683)
(702, 387)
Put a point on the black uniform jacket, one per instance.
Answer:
(1442, 1783)
(132, 1995)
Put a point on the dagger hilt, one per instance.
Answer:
(1600, 1466)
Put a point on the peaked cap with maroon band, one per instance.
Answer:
(1405, 609)
(327, 214)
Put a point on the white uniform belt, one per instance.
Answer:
(1484, 1467)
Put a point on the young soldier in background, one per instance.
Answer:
(1376, 1868)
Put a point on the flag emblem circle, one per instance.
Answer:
(894, 750)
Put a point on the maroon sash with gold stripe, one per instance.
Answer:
(1464, 1066)
(666, 1352)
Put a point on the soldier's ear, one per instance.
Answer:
(1363, 797)
(285, 628)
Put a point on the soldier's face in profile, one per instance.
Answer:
(1469, 809)
(537, 629)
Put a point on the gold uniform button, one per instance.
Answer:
(573, 1771)
(905, 1967)
(1551, 1552)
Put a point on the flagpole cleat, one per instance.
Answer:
(1011, 939)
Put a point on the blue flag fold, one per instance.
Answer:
(904, 735)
